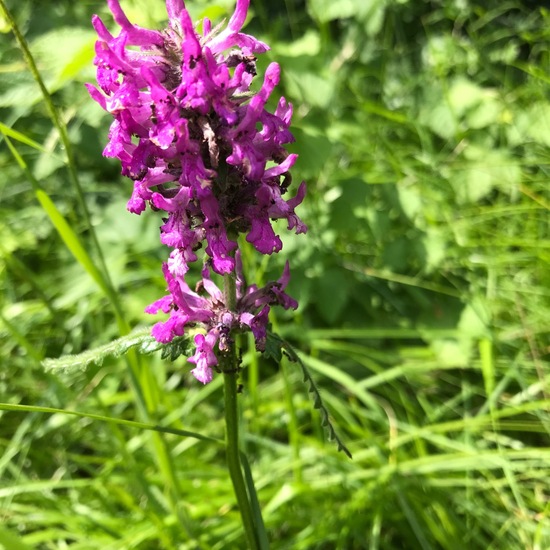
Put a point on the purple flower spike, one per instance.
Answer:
(201, 147)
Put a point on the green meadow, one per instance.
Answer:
(423, 129)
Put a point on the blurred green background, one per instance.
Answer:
(423, 129)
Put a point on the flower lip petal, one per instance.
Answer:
(101, 29)
(239, 15)
(281, 168)
(137, 35)
(174, 8)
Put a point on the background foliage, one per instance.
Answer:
(423, 129)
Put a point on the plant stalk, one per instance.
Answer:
(229, 366)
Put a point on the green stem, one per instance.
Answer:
(229, 365)
(233, 460)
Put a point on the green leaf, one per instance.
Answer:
(63, 53)
(313, 148)
(254, 503)
(371, 12)
(273, 347)
(69, 237)
(537, 123)
(313, 88)
(463, 95)
(332, 291)
(441, 120)
(140, 338)
(18, 136)
(312, 387)
(110, 420)
(182, 345)
(307, 45)
(484, 171)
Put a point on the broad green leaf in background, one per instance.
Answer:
(479, 171)
(10, 541)
(370, 12)
(63, 54)
(536, 123)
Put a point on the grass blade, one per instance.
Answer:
(111, 420)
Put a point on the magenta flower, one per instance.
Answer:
(201, 147)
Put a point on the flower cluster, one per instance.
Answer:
(186, 306)
(200, 146)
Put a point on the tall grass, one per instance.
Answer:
(423, 131)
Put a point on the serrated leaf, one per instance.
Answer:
(312, 388)
(177, 347)
(140, 338)
(273, 347)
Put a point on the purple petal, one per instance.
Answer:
(164, 304)
(282, 298)
(101, 29)
(166, 331)
(239, 16)
(263, 237)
